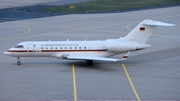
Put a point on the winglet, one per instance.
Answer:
(125, 56)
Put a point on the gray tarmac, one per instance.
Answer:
(155, 72)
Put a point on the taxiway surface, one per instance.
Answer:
(154, 72)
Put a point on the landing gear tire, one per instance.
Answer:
(89, 62)
(18, 63)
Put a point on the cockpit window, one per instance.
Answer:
(19, 46)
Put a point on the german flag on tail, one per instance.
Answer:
(142, 28)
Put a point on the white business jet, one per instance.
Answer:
(89, 50)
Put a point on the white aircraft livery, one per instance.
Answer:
(89, 50)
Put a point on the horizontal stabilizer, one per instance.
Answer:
(157, 23)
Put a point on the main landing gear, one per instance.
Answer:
(18, 62)
(89, 62)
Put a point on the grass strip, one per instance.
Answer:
(108, 5)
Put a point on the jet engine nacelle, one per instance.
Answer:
(119, 46)
(122, 46)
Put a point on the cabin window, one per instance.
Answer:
(56, 47)
(84, 47)
(51, 48)
(41, 47)
(19, 46)
(46, 47)
(65, 48)
(79, 47)
(70, 47)
(75, 47)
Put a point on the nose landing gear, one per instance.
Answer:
(18, 62)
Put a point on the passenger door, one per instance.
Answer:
(31, 50)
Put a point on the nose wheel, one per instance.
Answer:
(18, 62)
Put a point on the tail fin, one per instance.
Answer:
(141, 33)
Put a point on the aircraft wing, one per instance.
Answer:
(80, 57)
(74, 57)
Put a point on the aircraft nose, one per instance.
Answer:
(7, 53)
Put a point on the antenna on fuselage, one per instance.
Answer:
(67, 39)
(49, 39)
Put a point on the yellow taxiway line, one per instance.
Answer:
(10, 38)
(74, 82)
(131, 83)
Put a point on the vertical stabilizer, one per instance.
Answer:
(141, 33)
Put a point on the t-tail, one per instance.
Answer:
(141, 33)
